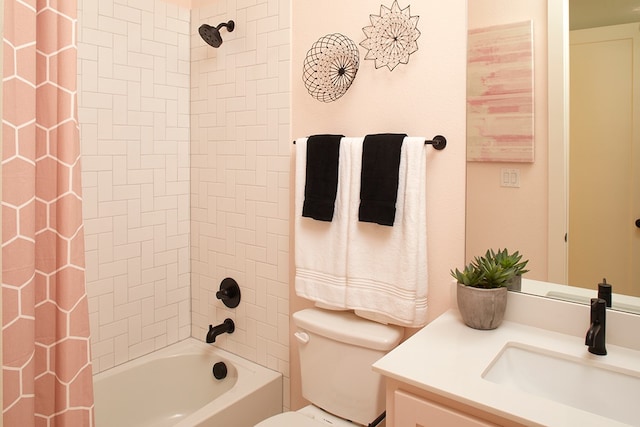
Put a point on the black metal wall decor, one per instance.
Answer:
(330, 67)
(391, 37)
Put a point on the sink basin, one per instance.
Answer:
(582, 384)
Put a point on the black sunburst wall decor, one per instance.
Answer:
(391, 37)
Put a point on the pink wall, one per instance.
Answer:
(513, 217)
(424, 97)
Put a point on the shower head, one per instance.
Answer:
(212, 34)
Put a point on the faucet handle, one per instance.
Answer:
(229, 293)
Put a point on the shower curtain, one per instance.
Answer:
(45, 326)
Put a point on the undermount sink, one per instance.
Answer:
(583, 384)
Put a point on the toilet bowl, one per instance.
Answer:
(309, 416)
(336, 351)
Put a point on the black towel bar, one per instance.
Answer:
(438, 142)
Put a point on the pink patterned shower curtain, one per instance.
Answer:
(45, 323)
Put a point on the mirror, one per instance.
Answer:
(534, 217)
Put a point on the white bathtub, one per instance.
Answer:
(175, 387)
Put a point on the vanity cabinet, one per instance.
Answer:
(436, 376)
(412, 411)
(408, 406)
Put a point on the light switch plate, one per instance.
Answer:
(510, 177)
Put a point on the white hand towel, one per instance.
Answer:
(386, 266)
(321, 246)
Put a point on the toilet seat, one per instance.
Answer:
(309, 416)
(290, 419)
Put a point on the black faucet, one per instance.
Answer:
(604, 291)
(225, 327)
(595, 338)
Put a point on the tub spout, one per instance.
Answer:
(225, 327)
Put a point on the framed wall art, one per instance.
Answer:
(500, 94)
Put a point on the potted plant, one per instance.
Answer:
(482, 290)
(514, 261)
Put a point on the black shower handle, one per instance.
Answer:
(229, 293)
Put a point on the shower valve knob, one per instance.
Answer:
(229, 293)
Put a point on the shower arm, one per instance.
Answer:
(228, 25)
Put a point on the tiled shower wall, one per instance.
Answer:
(133, 67)
(240, 142)
(137, 63)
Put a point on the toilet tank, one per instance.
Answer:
(336, 351)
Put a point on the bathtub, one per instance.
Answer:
(176, 387)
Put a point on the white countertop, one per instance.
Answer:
(448, 358)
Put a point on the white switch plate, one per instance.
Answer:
(510, 177)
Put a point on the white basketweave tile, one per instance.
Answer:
(185, 137)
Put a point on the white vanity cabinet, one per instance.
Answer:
(408, 406)
(448, 374)
(412, 411)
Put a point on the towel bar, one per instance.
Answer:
(439, 142)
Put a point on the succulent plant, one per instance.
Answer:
(495, 275)
(507, 260)
(469, 276)
(493, 270)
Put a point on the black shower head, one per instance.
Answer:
(212, 34)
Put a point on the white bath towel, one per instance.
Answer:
(321, 246)
(386, 266)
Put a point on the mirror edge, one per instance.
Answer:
(558, 137)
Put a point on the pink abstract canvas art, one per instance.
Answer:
(500, 94)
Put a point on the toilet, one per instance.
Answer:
(336, 350)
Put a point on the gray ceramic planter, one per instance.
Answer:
(482, 308)
(515, 283)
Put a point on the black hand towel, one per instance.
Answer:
(321, 183)
(379, 178)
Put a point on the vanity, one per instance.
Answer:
(533, 370)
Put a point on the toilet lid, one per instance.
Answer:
(289, 419)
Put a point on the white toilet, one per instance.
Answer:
(336, 351)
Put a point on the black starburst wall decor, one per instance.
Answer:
(330, 67)
(391, 37)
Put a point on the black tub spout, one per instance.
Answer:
(225, 327)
